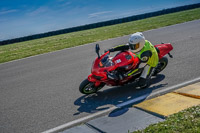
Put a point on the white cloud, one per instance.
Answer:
(66, 4)
(7, 11)
(93, 15)
(38, 11)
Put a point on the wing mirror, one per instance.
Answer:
(97, 48)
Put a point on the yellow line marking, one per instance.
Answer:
(168, 104)
(190, 90)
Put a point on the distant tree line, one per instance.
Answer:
(100, 24)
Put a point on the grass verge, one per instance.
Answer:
(186, 121)
(53, 43)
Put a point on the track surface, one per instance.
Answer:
(41, 92)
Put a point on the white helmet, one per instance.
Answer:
(136, 42)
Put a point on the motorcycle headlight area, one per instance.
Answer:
(106, 62)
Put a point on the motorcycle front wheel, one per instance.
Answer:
(87, 87)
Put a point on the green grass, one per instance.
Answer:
(48, 44)
(186, 121)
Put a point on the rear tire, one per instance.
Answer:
(161, 65)
(87, 87)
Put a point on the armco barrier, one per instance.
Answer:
(100, 24)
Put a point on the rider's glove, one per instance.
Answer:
(112, 50)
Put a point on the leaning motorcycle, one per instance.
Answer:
(125, 63)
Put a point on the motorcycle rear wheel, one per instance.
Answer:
(161, 65)
(87, 87)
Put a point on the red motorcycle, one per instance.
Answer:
(125, 62)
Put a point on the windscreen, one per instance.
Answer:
(106, 61)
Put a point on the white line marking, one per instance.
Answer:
(146, 96)
(79, 121)
(169, 89)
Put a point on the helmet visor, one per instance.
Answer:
(134, 46)
(137, 46)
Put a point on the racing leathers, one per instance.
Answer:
(148, 60)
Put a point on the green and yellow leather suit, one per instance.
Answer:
(152, 55)
(148, 59)
(148, 53)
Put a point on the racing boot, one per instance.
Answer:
(143, 83)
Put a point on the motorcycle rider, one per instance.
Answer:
(145, 51)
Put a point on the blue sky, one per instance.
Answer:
(26, 17)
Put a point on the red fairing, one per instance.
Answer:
(164, 49)
(101, 71)
(126, 59)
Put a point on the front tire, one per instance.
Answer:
(161, 65)
(87, 87)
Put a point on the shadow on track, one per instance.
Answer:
(113, 96)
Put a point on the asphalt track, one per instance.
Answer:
(41, 92)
